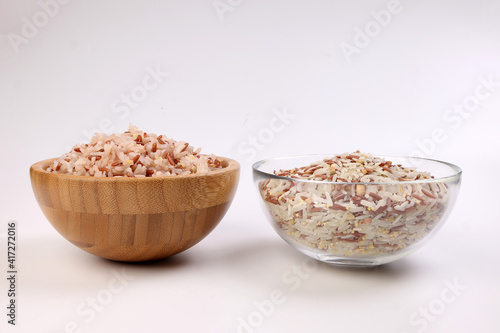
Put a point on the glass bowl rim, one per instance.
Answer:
(456, 172)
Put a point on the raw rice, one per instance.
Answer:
(134, 154)
(354, 219)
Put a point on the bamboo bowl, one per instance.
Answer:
(135, 219)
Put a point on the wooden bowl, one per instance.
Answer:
(135, 219)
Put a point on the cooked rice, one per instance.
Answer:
(134, 154)
(358, 219)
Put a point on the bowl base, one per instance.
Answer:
(351, 262)
(336, 260)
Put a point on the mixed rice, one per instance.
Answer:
(355, 219)
(134, 154)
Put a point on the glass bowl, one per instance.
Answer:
(356, 223)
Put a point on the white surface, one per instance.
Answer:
(225, 79)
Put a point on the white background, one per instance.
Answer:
(229, 72)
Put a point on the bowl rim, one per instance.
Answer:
(233, 165)
(455, 174)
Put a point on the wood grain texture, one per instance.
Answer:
(135, 219)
